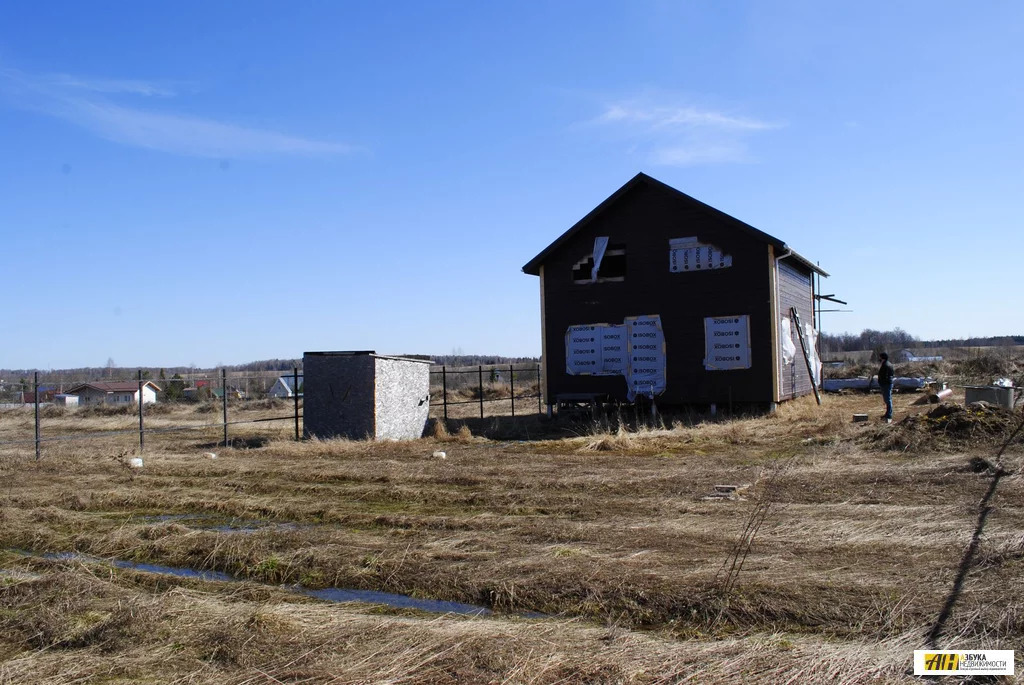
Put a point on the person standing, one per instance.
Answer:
(886, 372)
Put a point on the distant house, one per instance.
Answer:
(46, 394)
(233, 393)
(117, 392)
(193, 394)
(284, 387)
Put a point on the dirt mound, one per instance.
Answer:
(978, 419)
(979, 423)
(491, 391)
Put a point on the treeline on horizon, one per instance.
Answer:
(868, 339)
(263, 366)
(898, 339)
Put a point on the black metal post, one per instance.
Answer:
(444, 390)
(224, 401)
(295, 399)
(512, 387)
(35, 399)
(480, 370)
(142, 434)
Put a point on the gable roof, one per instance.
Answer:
(288, 381)
(533, 266)
(113, 386)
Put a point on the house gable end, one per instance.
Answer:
(695, 207)
(533, 266)
(640, 230)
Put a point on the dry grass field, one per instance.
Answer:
(602, 555)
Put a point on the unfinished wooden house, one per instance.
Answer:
(656, 294)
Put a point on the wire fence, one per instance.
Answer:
(187, 386)
(493, 389)
(207, 394)
(231, 398)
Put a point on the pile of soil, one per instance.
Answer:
(979, 423)
(965, 423)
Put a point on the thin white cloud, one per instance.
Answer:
(133, 87)
(190, 136)
(687, 117)
(674, 134)
(84, 103)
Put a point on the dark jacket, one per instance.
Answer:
(886, 373)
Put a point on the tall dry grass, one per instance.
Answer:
(68, 625)
(611, 531)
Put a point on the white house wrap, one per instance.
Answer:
(788, 346)
(726, 343)
(689, 254)
(634, 349)
(583, 350)
(646, 373)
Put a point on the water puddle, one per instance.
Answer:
(331, 594)
(138, 566)
(436, 606)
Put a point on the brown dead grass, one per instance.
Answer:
(121, 628)
(610, 532)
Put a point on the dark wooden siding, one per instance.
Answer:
(795, 291)
(644, 220)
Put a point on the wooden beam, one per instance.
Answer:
(544, 361)
(773, 301)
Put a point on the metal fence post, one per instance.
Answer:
(480, 370)
(142, 434)
(224, 402)
(295, 396)
(444, 390)
(512, 386)
(35, 399)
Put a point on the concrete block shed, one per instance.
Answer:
(359, 395)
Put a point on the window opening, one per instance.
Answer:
(612, 269)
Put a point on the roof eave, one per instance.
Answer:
(532, 267)
(797, 257)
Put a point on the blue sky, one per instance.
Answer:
(204, 183)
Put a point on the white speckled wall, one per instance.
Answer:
(402, 399)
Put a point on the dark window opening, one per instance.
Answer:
(613, 266)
